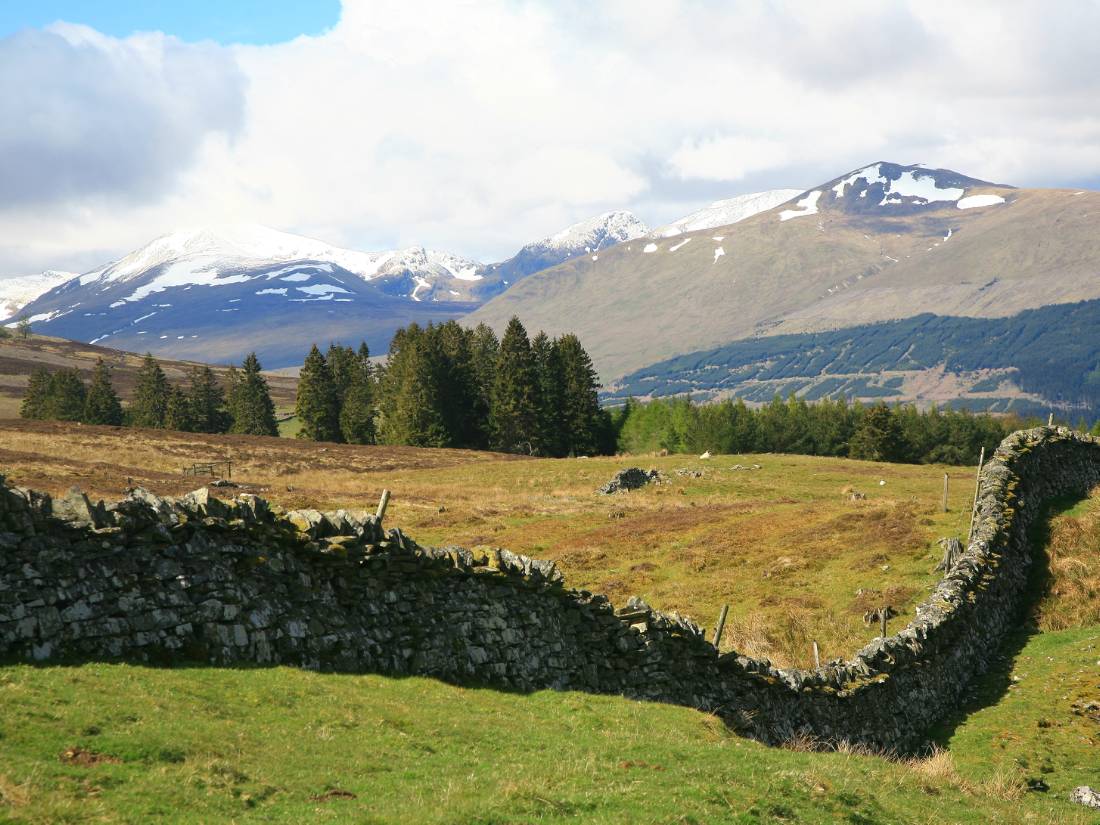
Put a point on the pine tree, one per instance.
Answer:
(549, 369)
(177, 412)
(207, 402)
(23, 327)
(410, 391)
(66, 396)
(515, 410)
(458, 386)
(580, 401)
(101, 404)
(36, 399)
(357, 411)
(150, 396)
(878, 436)
(317, 405)
(341, 364)
(484, 350)
(250, 400)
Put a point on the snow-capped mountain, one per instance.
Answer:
(17, 292)
(218, 292)
(881, 242)
(427, 275)
(890, 189)
(726, 212)
(415, 273)
(587, 237)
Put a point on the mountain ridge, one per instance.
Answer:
(934, 241)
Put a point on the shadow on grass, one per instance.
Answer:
(988, 689)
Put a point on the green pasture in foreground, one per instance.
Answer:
(133, 744)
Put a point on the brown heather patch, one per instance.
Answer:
(1073, 593)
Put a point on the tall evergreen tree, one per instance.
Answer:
(580, 401)
(357, 411)
(207, 403)
(316, 405)
(878, 436)
(341, 364)
(150, 396)
(485, 350)
(177, 412)
(515, 410)
(250, 401)
(36, 399)
(410, 391)
(553, 438)
(101, 404)
(459, 394)
(66, 396)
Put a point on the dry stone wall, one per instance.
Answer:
(229, 582)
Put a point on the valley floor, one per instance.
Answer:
(785, 545)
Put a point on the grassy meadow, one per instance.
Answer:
(787, 546)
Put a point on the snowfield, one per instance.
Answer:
(806, 206)
(976, 201)
(726, 212)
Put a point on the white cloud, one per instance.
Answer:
(728, 158)
(477, 126)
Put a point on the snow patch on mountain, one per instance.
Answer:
(17, 292)
(806, 206)
(726, 212)
(596, 233)
(975, 201)
(909, 186)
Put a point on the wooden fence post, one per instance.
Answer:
(945, 483)
(817, 655)
(977, 485)
(721, 624)
(381, 512)
(884, 615)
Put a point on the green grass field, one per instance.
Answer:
(132, 744)
(784, 545)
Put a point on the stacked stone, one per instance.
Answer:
(152, 579)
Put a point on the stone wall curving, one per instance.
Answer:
(199, 579)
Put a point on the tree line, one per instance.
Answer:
(900, 433)
(243, 405)
(443, 385)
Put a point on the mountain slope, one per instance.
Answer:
(216, 293)
(726, 212)
(16, 293)
(588, 237)
(1033, 361)
(18, 358)
(880, 243)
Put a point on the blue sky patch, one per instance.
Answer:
(225, 21)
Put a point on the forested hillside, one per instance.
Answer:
(1038, 358)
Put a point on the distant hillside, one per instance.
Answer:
(18, 358)
(216, 293)
(16, 293)
(1041, 359)
(588, 237)
(881, 243)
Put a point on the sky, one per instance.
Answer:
(475, 126)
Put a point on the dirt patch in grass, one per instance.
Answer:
(84, 758)
(333, 795)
